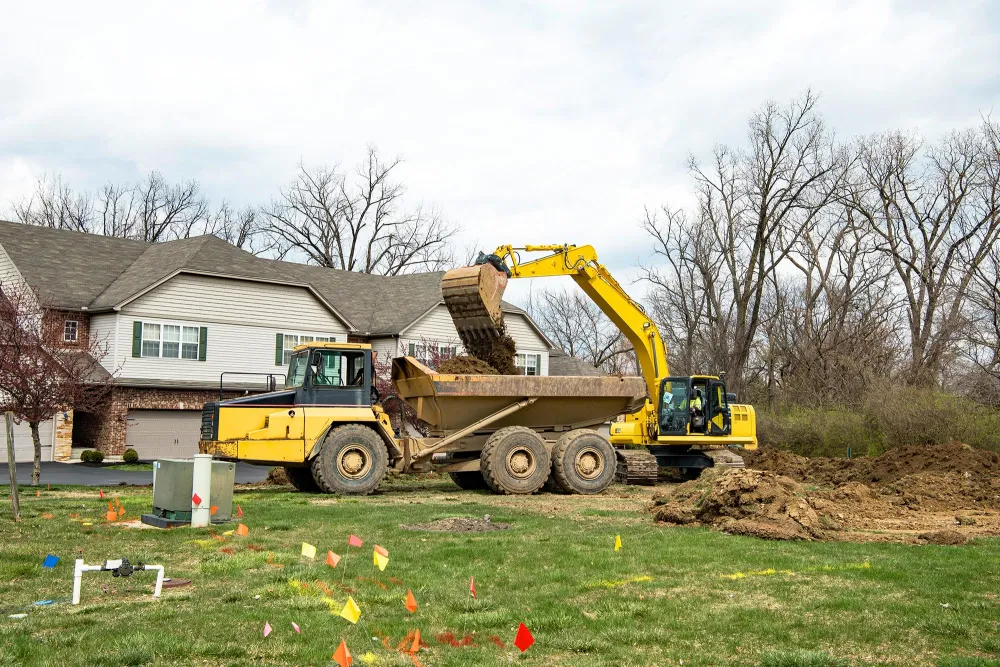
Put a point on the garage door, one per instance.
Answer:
(163, 434)
(24, 451)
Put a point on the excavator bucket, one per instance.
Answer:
(472, 295)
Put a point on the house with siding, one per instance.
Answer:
(180, 321)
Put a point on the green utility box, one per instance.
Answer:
(172, 490)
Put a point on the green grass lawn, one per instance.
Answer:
(671, 594)
(135, 467)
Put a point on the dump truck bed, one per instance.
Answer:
(451, 402)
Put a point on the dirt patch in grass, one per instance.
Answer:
(458, 524)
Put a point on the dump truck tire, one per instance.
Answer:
(470, 481)
(515, 460)
(353, 460)
(302, 480)
(583, 461)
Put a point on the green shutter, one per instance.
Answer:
(136, 338)
(413, 349)
(538, 364)
(279, 350)
(202, 343)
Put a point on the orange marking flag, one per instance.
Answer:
(411, 602)
(472, 586)
(38, 494)
(381, 550)
(416, 642)
(112, 515)
(212, 510)
(242, 530)
(332, 559)
(101, 491)
(343, 656)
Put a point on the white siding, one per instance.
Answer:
(8, 272)
(242, 319)
(437, 327)
(102, 332)
(210, 299)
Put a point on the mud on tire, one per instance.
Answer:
(302, 480)
(583, 461)
(515, 460)
(470, 481)
(352, 460)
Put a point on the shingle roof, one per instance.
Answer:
(67, 269)
(561, 363)
(78, 271)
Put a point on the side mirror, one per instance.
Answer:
(730, 398)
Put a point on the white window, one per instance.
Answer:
(431, 354)
(289, 341)
(528, 364)
(70, 331)
(170, 341)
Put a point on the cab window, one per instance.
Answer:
(337, 368)
(674, 412)
(297, 369)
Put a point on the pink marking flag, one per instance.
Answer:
(296, 628)
(354, 541)
(267, 628)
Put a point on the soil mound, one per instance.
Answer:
(466, 365)
(278, 477)
(458, 524)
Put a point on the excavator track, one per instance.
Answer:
(725, 458)
(636, 466)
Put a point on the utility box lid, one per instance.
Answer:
(172, 489)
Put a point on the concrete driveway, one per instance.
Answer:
(74, 473)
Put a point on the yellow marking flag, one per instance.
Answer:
(351, 610)
(381, 561)
(308, 550)
(618, 542)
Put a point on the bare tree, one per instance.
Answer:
(936, 213)
(753, 204)
(575, 323)
(54, 204)
(242, 228)
(38, 376)
(358, 223)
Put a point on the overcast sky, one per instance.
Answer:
(525, 123)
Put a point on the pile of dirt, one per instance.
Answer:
(925, 494)
(458, 524)
(466, 365)
(278, 477)
(892, 466)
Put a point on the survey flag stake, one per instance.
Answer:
(354, 541)
(411, 602)
(351, 610)
(523, 639)
(239, 512)
(381, 561)
(472, 586)
(101, 491)
(296, 628)
(618, 542)
(308, 550)
(242, 530)
(267, 628)
(343, 656)
(50, 561)
(332, 559)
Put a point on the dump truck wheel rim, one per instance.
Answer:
(354, 462)
(589, 463)
(521, 463)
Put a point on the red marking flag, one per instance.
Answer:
(354, 541)
(239, 512)
(411, 602)
(196, 499)
(101, 491)
(523, 640)
(472, 586)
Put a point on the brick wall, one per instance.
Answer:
(109, 429)
(54, 324)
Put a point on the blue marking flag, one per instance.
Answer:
(50, 561)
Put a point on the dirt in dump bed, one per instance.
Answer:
(466, 365)
(928, 494)
(458, 524)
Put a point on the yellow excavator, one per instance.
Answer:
(513, 434)
(689, 423)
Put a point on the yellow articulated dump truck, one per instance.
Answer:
(508, 432)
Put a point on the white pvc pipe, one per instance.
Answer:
(107, 566)
(201, 486)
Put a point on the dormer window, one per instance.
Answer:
(71, 331)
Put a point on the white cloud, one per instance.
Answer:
(524, 123)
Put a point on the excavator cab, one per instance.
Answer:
(694, 405)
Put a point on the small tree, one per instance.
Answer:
(38, 376)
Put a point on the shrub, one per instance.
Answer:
(91, 456)
(818, 432)
(130, 456)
